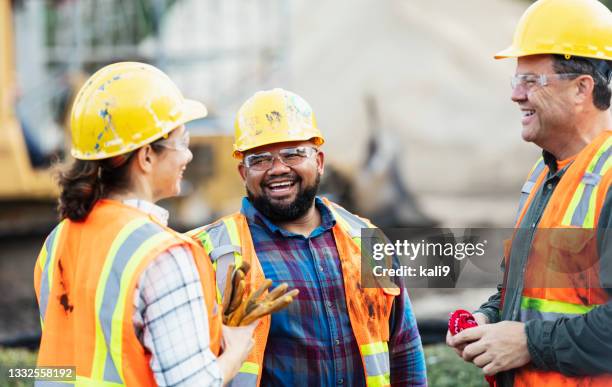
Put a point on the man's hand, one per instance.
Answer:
(480, 318)
(494, 347)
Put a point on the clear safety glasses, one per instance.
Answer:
(179, 144)
(529, 81)
(288, 156)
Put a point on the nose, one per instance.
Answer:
(189, 156)
(278, 168)
(519, 94)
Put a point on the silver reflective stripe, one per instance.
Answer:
(219, 251)
(590, 180)
(219, 236)
(355, 224)
(244, 379)
(377, 364)
(582, 209)
(528, 186)
(113, 286)
(44, 284)
(222, 252)
(530, 314)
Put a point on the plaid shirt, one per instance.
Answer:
(170, 316)
(311, 342)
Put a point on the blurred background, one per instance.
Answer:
(418, 119)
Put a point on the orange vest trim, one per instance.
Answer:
(369, 309)
(564, 246)
(85, 279)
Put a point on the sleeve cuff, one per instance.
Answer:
(539, 344)
(492, 314)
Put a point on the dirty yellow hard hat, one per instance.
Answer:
(125, 106)
(566, 27)
(274, 116)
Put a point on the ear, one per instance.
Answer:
(145, 159)
(584, 88)
(321, 162)
(242, 171)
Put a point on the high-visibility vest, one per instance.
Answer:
(85, 278)
(369, 308)
(564, 244)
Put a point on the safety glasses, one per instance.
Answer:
(179, 144)
(288, 156)
(529, 81)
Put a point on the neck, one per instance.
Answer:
(138, 190)
(583, 134)
(305, 224)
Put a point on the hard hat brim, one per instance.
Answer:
(509, 52)
(192, 110)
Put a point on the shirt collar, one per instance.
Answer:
(255, 217)
(555, 165)
(160, 214)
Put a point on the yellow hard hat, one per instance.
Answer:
(273, 116)
(566, 27)
(124, 106)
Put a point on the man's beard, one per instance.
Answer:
(277, 212)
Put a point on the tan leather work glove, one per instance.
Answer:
(240, 310)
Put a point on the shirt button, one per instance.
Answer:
(340, 381)
(549, 186)
(328, 304)
(337, 341)
(533, 225)
(321, 268)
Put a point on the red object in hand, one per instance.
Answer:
(460, 320)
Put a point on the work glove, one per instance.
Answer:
(240, 309)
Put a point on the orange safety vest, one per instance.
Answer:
(369, 308)
(564, 244)
(85, 278)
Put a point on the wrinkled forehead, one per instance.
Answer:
(534, 64)
(277, 146)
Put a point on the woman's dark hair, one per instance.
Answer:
(84, 182)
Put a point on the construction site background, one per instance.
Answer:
(417, 115)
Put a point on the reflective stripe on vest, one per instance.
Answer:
(550, 310)
(47, 263)
(535, 172)
(222, 244)
(219, 240)
(349, 222)
(375, 355)
(130, 246)
(376, 359)
(247, 376)
(581, 210)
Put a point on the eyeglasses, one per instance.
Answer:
(179, 144)
(288, 156)
(528, 81)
